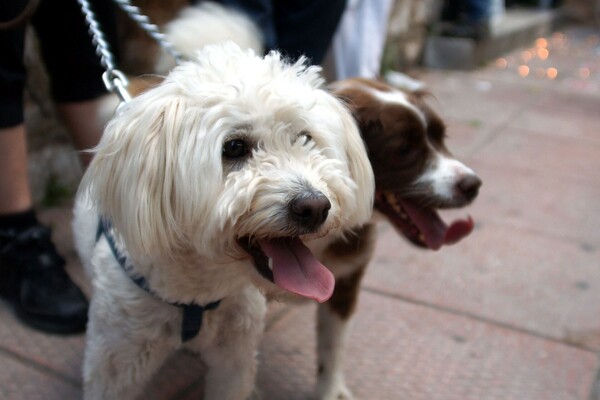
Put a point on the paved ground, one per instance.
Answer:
(511, 313)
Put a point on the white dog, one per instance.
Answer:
(206, 187)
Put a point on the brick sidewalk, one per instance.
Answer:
(511, 313)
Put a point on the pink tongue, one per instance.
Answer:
(458, 230)
(436, 232)
(297, 270)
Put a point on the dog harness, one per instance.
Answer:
(192, 313)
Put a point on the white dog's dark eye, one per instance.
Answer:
(305, 136)
(235, 148)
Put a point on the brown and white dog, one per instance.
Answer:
(415, 175)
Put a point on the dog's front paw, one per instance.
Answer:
(334, 391)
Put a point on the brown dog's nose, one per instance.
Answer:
(468, 186)
(310, 209)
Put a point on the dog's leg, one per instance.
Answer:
(332, 329)
(231, 360)
(350, 257)
(116, 365)
(232, 370)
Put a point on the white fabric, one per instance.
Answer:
(360, 39)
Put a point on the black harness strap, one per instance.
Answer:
(192, 313)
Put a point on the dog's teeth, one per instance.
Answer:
(270, 264)
(391, 199)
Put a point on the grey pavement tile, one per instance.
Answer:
(558, 156)
(582, 129)
(482, 85)
(403, 351)
(556, 206)
(465, 138)
(181, 373)
(60, 363)
(576, 103)
(19, 381)
(62, 354)
(481, 101)
(547, 286)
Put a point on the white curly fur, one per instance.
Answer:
(178, 207)
(208, 23)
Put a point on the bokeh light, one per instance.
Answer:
(584, 73)
(523, 70)
(543, 53)
(541, 43)
(551, 73)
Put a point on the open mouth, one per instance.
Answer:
(422, 226)
(289, 264)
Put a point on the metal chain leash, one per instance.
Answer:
(114, 80)
(151, 29)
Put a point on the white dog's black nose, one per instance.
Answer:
(310, 209)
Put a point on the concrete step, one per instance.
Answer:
(517, 28)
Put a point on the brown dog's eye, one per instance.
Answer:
(235, 148)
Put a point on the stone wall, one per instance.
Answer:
(408, 28)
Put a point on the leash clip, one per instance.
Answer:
(117, 82)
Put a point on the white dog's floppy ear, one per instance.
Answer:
(131, 178)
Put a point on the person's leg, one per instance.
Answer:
(474, 21)
(74, 67)
(452, 10)
(306, 27)
(15, 195)
(14, 184)
(83, 121)
(479, 11)
(32, 276)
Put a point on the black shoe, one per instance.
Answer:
(33, 281)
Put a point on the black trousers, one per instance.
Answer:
(66, 48)
(295, 27)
